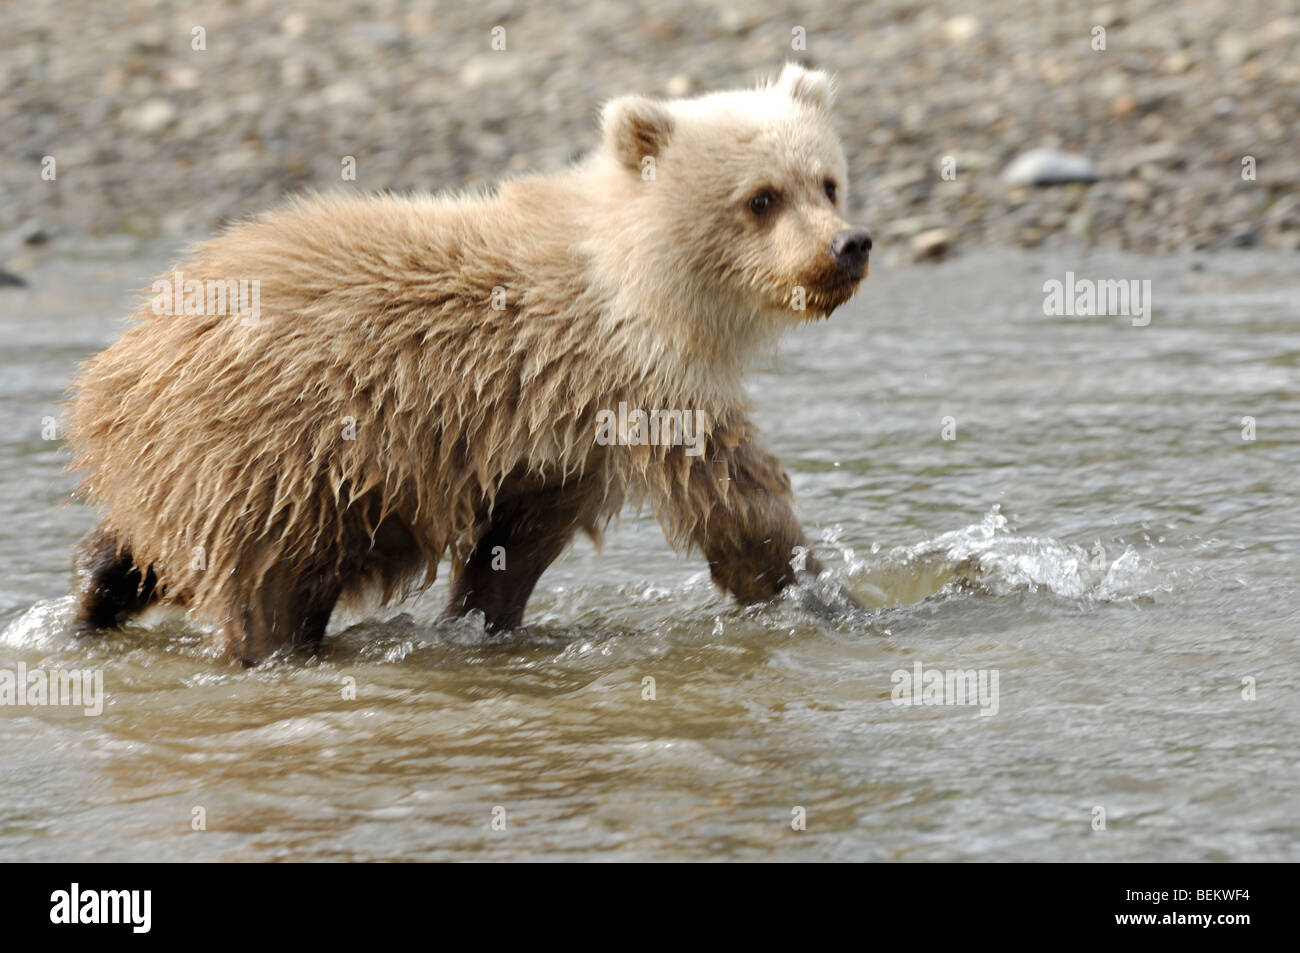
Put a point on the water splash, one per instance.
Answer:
(990, 557)
(44, 626)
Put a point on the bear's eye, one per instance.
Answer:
(831, 189)
(762, 203)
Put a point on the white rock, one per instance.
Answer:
(295, 24)
(346, 92)
(678, 86)
(183, 77)
(961, 30)
(486, 69)
(1049, 167)
(152, 115)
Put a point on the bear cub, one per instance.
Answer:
(325, 402)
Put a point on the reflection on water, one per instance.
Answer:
(1098, 533)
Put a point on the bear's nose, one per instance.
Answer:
(850, 249)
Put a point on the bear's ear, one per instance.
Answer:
(635, 127)
(809, 86)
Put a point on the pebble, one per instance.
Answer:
(931, 244)
(1049, 167)
(152, 116)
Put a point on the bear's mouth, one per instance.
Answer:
(830, 287)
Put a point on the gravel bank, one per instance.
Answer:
(152, 137)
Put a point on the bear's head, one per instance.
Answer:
(741, 194)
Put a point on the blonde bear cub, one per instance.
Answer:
(426, 378)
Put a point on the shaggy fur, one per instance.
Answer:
(382, 415)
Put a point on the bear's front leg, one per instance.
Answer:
(738, 505)
(750, 534)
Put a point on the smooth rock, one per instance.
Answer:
(152, 115)
(1049, 167)
(931, 244)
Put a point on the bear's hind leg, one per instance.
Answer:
(291, 607)
(109, 587)
(277, 619)
(527, 532)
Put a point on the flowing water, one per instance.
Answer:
(1100, 534)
